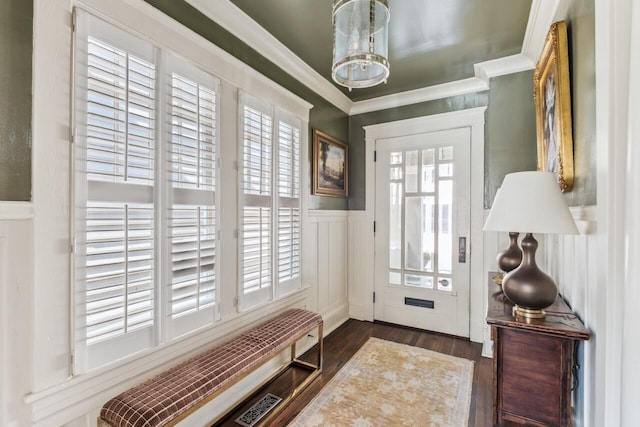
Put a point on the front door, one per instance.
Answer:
(422, 231)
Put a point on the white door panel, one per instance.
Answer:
(422, 211)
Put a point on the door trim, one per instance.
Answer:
(474, 119)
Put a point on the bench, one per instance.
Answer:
(172, 395)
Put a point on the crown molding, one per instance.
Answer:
(484, 71)
(429, 93)
(502, 66)
(231, 18)
(542, 14)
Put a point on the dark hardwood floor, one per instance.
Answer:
(347, 339)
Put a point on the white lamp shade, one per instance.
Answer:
(530, 202)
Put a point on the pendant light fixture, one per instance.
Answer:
(360, 42)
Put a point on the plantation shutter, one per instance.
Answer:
(269, 235)
(288, 222)
(114, 193)
(256, 202)
(191, 214)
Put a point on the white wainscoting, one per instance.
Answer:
(360, 266)
(325, 267)
(572, 261)
(325, 264)
(16, 283)
(493, 243)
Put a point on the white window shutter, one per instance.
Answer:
(115, 173)
(256, 202)
(288, 225)
(192, 220)
(269, 202)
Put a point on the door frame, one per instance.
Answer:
(474, 119)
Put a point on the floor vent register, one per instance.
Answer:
(261, 408)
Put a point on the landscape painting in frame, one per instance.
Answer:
(553, 107)
(330, 160)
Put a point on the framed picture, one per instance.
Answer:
(553, 107)
(330, 160)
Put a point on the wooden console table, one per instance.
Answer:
(532, 363)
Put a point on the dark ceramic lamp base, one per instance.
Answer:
(510, 258)
(528, 288)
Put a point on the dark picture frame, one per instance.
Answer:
(330, 165)
(552, 94)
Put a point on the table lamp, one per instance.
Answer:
(530, 202)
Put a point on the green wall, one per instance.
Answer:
(357, 134)
(510, 143)
(511, 115)
(582, 64)
(323, 115)
(510, 130)
(16, 47)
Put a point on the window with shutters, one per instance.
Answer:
(144, 194)
(147, 216)
(269, 235)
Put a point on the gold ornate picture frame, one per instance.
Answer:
(330, 163)
(552, 94)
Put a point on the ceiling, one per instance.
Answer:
(430, 41)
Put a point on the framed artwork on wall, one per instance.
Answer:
(330, 162)
(553, 107)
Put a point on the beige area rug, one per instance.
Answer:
(391, 384)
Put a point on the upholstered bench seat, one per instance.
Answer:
(168, 397)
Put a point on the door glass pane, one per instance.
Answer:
(428, 170)
(420, 230)
(445, 237)
(419, 233)
(445, 169)
(445, 153)
(395, 173)
(395, 225)
(412, 172)
(419, 281)
(396, 158)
